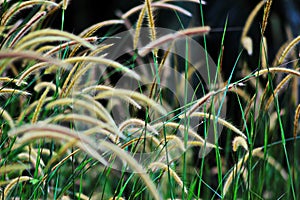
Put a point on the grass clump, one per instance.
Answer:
(71, 129)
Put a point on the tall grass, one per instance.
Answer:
(64, 134)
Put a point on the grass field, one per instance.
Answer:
(143, 112)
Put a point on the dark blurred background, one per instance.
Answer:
(284, 17)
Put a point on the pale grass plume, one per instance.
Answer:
(68, 44)
(246, 40)
(134, 140)
(12, 80)
(247, 44)
(4, 114)
(266, 16)
(200, 102)
(13, 183)
(11, 91)
(159, 126)
(137, 122)
(166, 168)
(237, 169)
(220, 120)
(173, 36)
(264, 53)
(58, 33)
(239, 142)
(13, 167)
(296, 119)
(139, 24)
(161, 4)
(40, 66)
(13, 55)
(27, 26)
(277, 69)
(110, 134)
(38, 108)
(18, 7)
(62, 151)
(143, 99)
(104, 61)
(92, 29)
(135, 166)
(98, 126)
(83, 104)
(95, 88)
(178, 142)
(277, 166)
(94, 107)
(65, 4)
(288, 49)
(151, 23)
(38, 131)
(29, 109)
(25, 157)
(277, 90)
(42, 85)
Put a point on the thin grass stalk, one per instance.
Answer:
(296, 119)
(60, 153)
